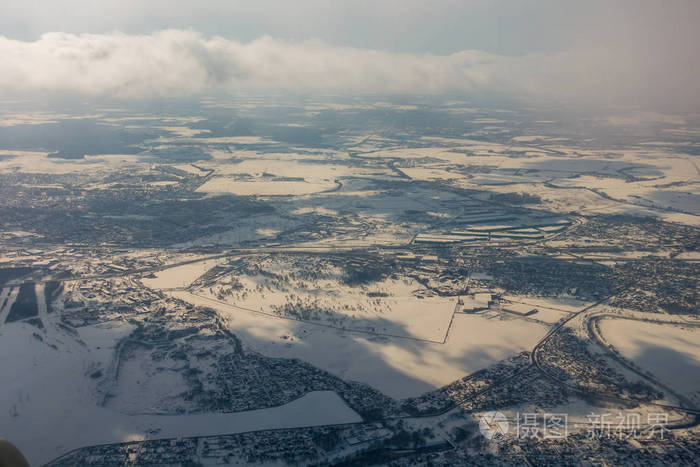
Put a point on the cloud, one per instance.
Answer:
(184, 62)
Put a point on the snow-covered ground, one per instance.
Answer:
(549, 309)
(263, 187)
(399, 313)
(48, 401)
(399, 367)
(180, 276)
(670, 352)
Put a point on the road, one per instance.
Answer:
(687, 407)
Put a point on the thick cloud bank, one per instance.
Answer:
(183, 62)
(178, 62)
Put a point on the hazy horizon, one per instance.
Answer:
(639, 53)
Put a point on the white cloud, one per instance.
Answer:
(179, 62)
(183, 62)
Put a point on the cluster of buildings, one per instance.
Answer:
(249, 381)
(322, 445)
(462, 391)
(161, 452)
(579, 448)
(95, 301)
(666, 286)
(567, 359)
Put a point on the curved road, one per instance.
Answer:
(687, 407)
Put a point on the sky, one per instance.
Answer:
(626, 52)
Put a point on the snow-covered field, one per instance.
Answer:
(39, 162)
(180, 276)
(387, 307)
(274, 175)
(670, 352)
(399, 367)
(48, 401)
(399, 313)
(549, 309)
(263, 187)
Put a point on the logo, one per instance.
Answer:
(493, 425)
